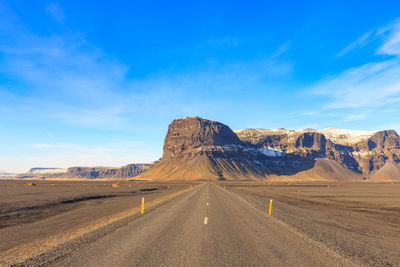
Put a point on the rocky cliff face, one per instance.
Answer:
(186, 135)
(127, 171)
(364, 154)
(196, 148)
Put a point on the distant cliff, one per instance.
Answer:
(46, 170)
(127, 171)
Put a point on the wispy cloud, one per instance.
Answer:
(310, 113)
(64, 155)
(23, 162)
(63, 77)
(355, 117)
(65, 147)
(283, 48)
(373, 84)
(56, 12)
(390, 35)
(51, 136)
(370, 85)
(275, 66)
(62, 80)
(360, 42)
(391, 45)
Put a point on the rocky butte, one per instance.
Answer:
(196, 148)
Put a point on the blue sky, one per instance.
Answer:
(84, 83)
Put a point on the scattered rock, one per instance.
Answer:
(116, 185)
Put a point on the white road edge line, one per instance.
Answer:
(205, 220)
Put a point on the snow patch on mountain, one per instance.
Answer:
(346, 137)
(338, 136)
(270, 152)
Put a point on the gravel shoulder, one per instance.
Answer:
(359, 221)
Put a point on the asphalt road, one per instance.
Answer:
(204, 227)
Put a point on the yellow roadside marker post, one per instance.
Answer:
(270, 207)
(142, 205)
(224, 187)
(191, 187)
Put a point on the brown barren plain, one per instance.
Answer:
(41, 221)
(37, 216)
(358, 220)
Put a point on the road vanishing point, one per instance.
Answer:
(206, 226)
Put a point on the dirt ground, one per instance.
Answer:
(36, 210)
(357, 220)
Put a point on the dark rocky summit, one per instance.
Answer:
(196, 148)
(185, 135)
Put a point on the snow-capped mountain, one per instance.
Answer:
(196, 148)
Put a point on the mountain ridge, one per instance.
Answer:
(124, 172)
(337, 135)
(196, 148)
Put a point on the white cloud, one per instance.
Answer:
(374, 84)
(370, 85)
(310, 113)
(63, 77)
(56, 12)
(283, 48)
(64, 155)
(391, 40)
(62, 80)
(22, 163)
(391, 45)
(274, 66)
(70, 147)
(355, 117)
(360, 42)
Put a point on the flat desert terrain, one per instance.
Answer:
(47, 213)
(359, 221)
(98, 223)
